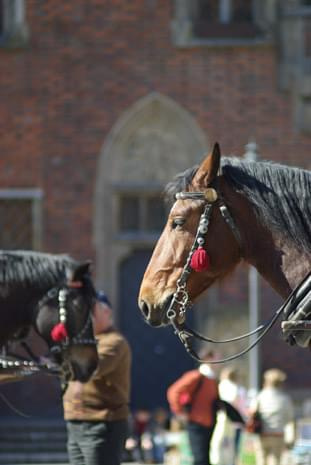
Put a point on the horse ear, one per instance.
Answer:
(78, 273)
(208, 169)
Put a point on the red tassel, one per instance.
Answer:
(59, 332)
(200, 260)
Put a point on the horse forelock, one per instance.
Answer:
(279, 193)
(180, 183)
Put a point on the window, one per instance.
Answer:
(20, 219)
(218, 22)
(13, 25)
(141, 213)
(129, 213)
(225, 18)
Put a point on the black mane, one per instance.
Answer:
(279, 193)
(27, 268)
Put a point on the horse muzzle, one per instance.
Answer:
(155, 316)
(73, 371)
(79, 363)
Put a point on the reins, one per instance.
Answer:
(15, 366)
(180, 302)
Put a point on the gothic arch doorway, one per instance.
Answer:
(151, 142)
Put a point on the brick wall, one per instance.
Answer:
(86, 63)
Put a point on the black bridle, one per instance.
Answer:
(181, 302)
(61, 347)
(13, 364)
(78, 339)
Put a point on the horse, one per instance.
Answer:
(227, 210)
(53, 294)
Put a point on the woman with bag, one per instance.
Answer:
(227, 434)
(275, 410)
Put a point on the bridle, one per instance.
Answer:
(13, 364)
(61, 337)
(181, 302)
(181, 297)
(66, 341)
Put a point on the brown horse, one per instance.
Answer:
(228, 210)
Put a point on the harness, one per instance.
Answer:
(12, 364)
(61, 336)
(296, 308)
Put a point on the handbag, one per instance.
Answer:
(232, 413)
(254, 423)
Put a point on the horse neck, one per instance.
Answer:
(281, 263)
(17, 311)
(287, 266)
(18, 305)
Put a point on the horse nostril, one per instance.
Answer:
(144, 309)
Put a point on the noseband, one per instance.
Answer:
(181, 302)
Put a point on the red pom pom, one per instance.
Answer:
(59, 332)
(200, 260)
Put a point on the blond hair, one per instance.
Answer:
(274, 377)
(230, 373)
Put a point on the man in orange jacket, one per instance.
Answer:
(194, 396)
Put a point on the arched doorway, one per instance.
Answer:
(153, 140)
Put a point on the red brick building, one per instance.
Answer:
(102, 102)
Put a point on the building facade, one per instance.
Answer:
(103, 102)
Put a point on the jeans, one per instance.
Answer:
(200, 438)
(96, 442)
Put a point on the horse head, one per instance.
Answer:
(64, 321)
(196, 247)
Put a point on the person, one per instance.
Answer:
(96, 412)
(193, 397)
(146, 442)
(227, 435)
(158, 428)
(140, 435)
(276, 411)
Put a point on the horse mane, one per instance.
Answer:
(279, 193)
(28, 268)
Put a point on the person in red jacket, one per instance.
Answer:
(194, 396)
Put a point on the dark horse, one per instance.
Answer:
(228, 210)
(53, 294)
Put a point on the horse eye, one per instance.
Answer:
(178, 222)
